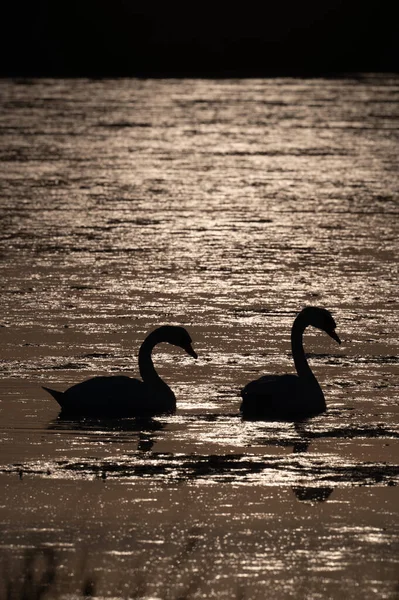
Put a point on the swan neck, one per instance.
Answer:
(298, 353)
(146, 366)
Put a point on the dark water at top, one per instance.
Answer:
(225, 207)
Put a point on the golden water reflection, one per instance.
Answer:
(223, 206)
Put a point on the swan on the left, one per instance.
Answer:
(121, 396)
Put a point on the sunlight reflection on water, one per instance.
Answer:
(224, 206)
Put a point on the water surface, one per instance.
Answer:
(224, 206)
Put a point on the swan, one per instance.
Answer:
(291, 397)
(122, 396)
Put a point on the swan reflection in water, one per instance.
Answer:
(306, 493)
(114, 430)
(312, 494)
(121, 396)
(146, 462)
(291, 397)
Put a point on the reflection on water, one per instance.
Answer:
(309, 494)
(143, 428)
(147, 448)
(237, 204)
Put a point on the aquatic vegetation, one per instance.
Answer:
(38, 577)
(42, 574)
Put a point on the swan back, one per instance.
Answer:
(282, 397)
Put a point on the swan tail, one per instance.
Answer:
(58, 396)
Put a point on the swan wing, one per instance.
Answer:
(272, 396)
(105, 396)
(271, 385)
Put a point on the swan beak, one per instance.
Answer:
(334, 336)
(190, 350)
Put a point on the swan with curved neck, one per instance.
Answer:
(122, 396)
(291, 396)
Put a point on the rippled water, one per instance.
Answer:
(225, 206)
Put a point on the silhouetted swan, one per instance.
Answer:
(289, 397)
(122, 396)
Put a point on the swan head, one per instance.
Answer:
(322, 319)
(178, 336)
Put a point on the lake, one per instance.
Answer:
(225, 206)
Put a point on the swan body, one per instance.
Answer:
(122, 396)
(290, 397)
